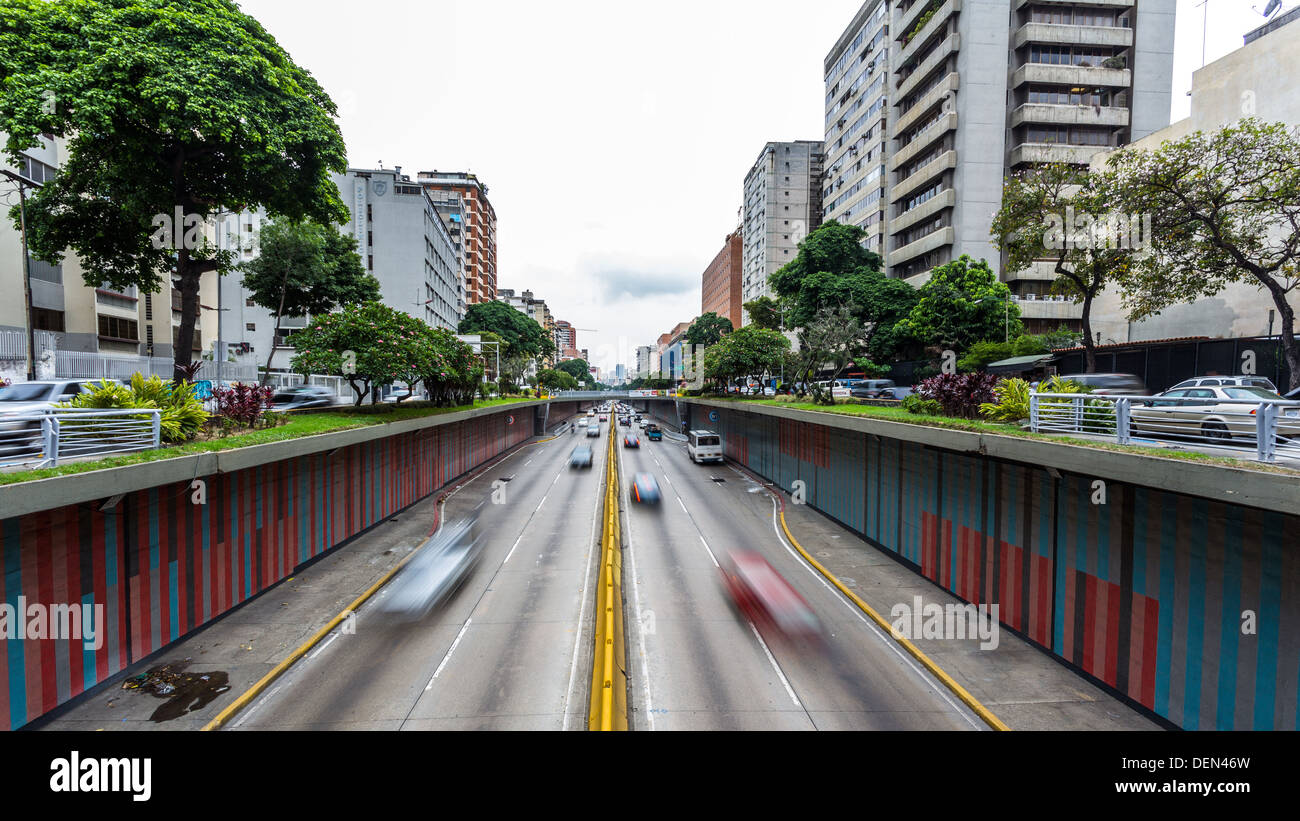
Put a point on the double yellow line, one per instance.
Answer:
(609, 673)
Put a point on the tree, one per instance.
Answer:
(766, 312)
(1224, 208)
(963, 303)
(556, 380)
(305, 268)
(451, 370)
(577, 368)
(521, 335)
(708, 330)
(368, 345)
(173, 112)
(833, 336)
(814, 278)
(748, 351)
(1063, 213)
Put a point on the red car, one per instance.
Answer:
(631, 441)
(765, 598)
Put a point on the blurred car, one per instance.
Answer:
(870, 388)
(435, 572)
(593, 429)
(1236, 381)
(1292, 395)
(581, 457)
(645, 489)
(604, 417)
(23, 399)
(302, 396)
(1202, 413)
(1110, 384)
(765, 598)
(653, 432)
(625, 421)
(631, 441)
(898, 392)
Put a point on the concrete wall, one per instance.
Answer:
(163, 566)
(1145, 593)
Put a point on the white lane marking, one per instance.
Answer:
(857, 611)
(711, 556)
(513, 546)
(582, 613)
(640, 622)
(327, 643)
(447, 657)
(776, 666)
(683, 504)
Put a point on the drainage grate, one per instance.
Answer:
(717, 479)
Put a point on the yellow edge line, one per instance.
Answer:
(938, 672)
(265, 681)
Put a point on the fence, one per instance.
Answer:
(85, 365)
(43, 438)
(1270, 427)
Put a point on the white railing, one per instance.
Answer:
(86, 365)
(13, 344)
(229, 372)
(43, 438)
(1270, 427)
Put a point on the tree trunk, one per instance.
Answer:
(1289, 349)
(1089, 346)
(188, 273)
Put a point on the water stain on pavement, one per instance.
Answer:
(185, 692)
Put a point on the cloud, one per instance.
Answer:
(622, 281)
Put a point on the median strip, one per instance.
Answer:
(609, 670)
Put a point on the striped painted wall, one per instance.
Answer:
(1145, 592)
(162, 565)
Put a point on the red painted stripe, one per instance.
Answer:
(1112, 634)
(72, 575)
(1089, 623)
(1068, 616)
(1150, 640)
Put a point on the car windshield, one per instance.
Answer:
(25, 392)
(1250, 393)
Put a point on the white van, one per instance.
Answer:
(704, 446)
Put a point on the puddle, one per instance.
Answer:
(185, 692)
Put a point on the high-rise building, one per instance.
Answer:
(980, 89)
(857, 86)
(783, 203)
(720, 290)
(566, 340)
(404, 242)
(457, 191)
(644, 359)
(536, 310)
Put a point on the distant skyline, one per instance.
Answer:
(614, 138)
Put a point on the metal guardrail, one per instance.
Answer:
(43, 438)
(1270, 428)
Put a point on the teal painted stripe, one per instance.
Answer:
(1168, 582)
(1141, 501)
(89, 676)
(1229, 618)
(1195, 639)
(13, 587)
(1270, 612)
(174, 599)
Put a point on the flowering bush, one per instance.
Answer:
(959, 394)
(242, 404)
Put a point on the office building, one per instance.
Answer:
(463, 193)
(783, 203)
(720, 289)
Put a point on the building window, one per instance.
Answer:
(44, 319)
(116, 327)
(250, 326)
(248, 303)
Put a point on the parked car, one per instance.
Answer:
(302, 396)
(581, 457)
(870, 388)
(1204, 414)
(1239, 381)
(1110, 384)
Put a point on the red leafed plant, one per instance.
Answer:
(960, 394)
(242, 404)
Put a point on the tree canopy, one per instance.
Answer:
(170, 108)
(521, 334)
(748, 351)
(708, 329)
(963, 303)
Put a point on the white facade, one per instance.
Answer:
(782, 206)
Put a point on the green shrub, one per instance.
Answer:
(1011, 401)
(912, 403)
(182, 414)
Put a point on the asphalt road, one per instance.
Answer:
(510, 650)
(696, 664)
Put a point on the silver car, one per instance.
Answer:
(436, 571)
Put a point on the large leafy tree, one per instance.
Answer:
(556, 380)
(832, 337)
(577, 368)
(766, 312)
(521, 334)
(305, 268)
(450, 369)
(963, 303)
(169, 107)
(1056, 212)
(708, 330)
(368, 345)
(749, 351)
(1224, 208)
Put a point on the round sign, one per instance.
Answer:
(510, 419)
(713, 416)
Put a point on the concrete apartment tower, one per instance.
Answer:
(457, 191)
(984, 88)
(783, 203)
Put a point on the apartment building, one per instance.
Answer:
(465, 194)
(857, 86)
(984, 88)
(644, 360)
(566, 340)
(75, 324)
(536, 310)
(720, 289)
(783, 203)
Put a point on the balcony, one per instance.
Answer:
(906, 21)
(1114, 4)
(1073, 76)
(1049, 307)
(937, 239)
(926, 34)
(946, 122)
(940, 54)
(927, 102)
(1038, 271)
(1115, 116)
(932, 206)
(1058, 33)
(1025, 153)
(924, 174)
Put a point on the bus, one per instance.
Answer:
(704, 446)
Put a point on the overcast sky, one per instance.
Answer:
(614, 137)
